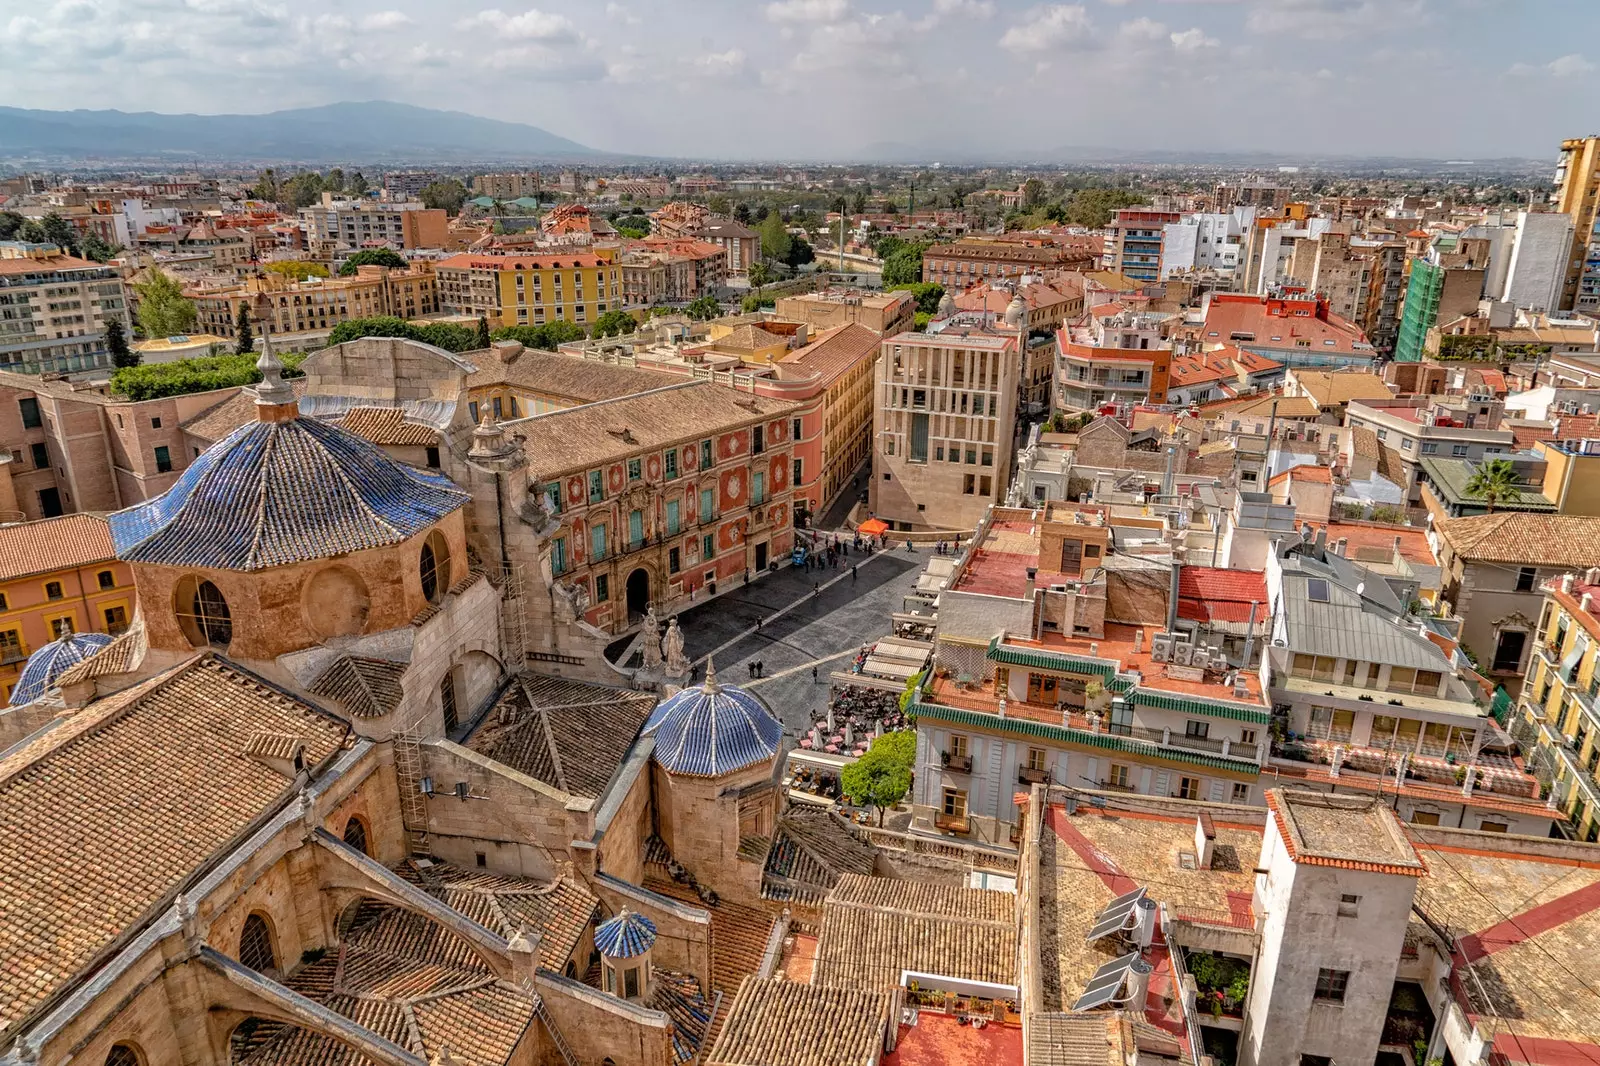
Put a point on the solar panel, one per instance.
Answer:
(1115, 914)
(1106, 983)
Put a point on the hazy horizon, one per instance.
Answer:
(837, 79)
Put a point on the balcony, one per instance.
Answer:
(956, 764)
(1027, 775)
(952, 823)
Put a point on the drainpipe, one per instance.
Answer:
(1250, 636)
(1172, 598)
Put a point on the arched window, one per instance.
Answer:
(203, 613)
(434, 567)
(124, 1055)
(355, 834)
(255, 945)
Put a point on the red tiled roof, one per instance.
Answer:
(1275, 322)
(1306, 472)
(50, 544)
(1210, 594)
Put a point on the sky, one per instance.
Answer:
(830, 79)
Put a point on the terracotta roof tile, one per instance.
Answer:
(836, 351)
(48, 544)
(778, 1021)
(151, 782)
(565, 377)
(388, 425)
(1525, 538)
(876, 927)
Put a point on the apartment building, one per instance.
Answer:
(1134, 240)
(356, 224)
(693, 267)
(58, 577)
(512, 185)
(522, 290)
(944, 421)
(885, 313)
(1292, 326)
(1440, 287)
(834, 438)
(1557, 719)
(1120, 357)
(1053, 664)
(54, 309)
(1541, 249)
(968, 262)
(1206, 241)
(74, 448)
(740, 245)
(1577, 196)
(405, 186)
(317, 304)
(1415, 428)
(661, 495)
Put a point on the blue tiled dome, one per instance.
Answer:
(273, 493)
(625, 936)
(39, 673)
(712, 730)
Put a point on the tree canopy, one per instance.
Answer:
(545, 337)
(775, 239)
(902, 265)
(95, 247)
(446, 335)
(155, 380)
(163, 309)
(383, 257)
(882, 777)
(298, 269)
(926, 293)
(117, 345)
(1492, 482)
(613, 324)
(449, 195)
(10, 223)
(244, 338)
(703, 309)
(634, 227)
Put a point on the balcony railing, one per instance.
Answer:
(957, 764)
(1027, 775)
(952, 823)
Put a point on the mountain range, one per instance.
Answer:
(343, 132)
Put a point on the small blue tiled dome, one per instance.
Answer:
(273, 493)
(625, 936)
(712, 730)
(51, 661)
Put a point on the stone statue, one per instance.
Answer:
(677, 662)
(650, 632)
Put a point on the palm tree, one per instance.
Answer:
(759, 275)
(1493, 481)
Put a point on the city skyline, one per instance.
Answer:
(958, 79)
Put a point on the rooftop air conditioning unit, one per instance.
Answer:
(1183, 654)
(1161, 647)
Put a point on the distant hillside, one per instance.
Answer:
(336, 133)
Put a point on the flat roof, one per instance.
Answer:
(1349, 832)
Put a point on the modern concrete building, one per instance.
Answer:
(1537, 266)
(54, 310)
(1577, 196)
(1133, 242)
(357, 224)
(1206, 240)
(512, 185)
(944, 422)
(885, 313)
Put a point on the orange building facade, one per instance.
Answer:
(58, 575)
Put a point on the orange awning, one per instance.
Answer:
(873, 527)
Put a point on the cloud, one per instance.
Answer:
(980, 9)
(531, 25)
(1048, 27)
(721, 64)
(618, 13)
(1569, 66)
(1193, 40)
(808, 11)
(1142, 29)
(385, 20)
(1334, 19)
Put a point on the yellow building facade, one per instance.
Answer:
(1558, 719)
(530, 290)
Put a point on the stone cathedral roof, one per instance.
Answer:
(274, 493)
(713, 729)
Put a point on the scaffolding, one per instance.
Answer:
(408, 774)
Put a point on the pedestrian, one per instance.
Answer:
(751, 667)
(813, 675)
(761, 668)
(758, 623)
(852, 571)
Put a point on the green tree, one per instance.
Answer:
(903, 267)
(704, 309)
(302, 190)
(858, 202)
(32, 232)
(634, 227)
(376, 326)
(163, 309)
(266, 186)
(483, 332)
(719, 205)
(612, 324)
(298, 269)
(927, 294)
(59, 232)
(760, 274)
(1492, 482)
(449, 195)
(384, 257)
(1033, 193)
(334, 180)
(356, 184)
(95, 247)
(244, 337)
(1095, 208)
(10, 223)
(881, 777)
(184, 376)
(546, 337)
(117, 345)
(800, 253)
(741, 213)
(774, 238)
(447, 335)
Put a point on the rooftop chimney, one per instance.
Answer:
(1585, 603)
(1566, 583)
